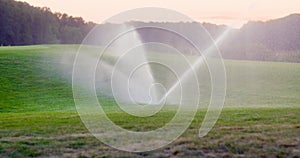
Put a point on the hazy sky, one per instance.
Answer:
(231, 12)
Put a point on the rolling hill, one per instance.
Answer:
(35, 78)
(38, 116)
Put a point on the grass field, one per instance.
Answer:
(261, 116)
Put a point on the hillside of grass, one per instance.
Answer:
(38, 117)
(30, 82)
(38, 78)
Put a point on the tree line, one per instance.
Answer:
(23, 24)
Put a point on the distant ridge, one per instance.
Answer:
(274, 40)
(278, 34)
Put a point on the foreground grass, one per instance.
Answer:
(251, 132)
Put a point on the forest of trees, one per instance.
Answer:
(22, 24)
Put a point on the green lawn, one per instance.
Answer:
(38, 117)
